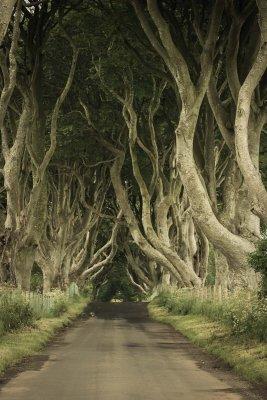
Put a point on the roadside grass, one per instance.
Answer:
(245, 355)
(28, 341)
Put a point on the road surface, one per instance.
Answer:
(119, 354)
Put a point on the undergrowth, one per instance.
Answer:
(18, 310)
(233, 329)
(27, 341)
(243, 315)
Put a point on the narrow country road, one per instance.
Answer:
(119, 354)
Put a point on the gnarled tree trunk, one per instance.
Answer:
(22, 265)
(6, 10)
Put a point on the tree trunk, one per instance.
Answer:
(249, 171)
(203, 255)
(151, 252)
(50, 264)
(162, 243)
(221, 270)
(166, 277)
(66, 267)
(3, 273)
(234, 247)
(47, 281)
(6, 10)
(245, 279)
(152, 266)
(23, 263)
(262, 5)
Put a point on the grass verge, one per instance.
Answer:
(246, 356)
(28, 341)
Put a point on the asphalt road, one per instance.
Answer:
(119, 354)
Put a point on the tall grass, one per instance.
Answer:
(243, 314)
(15, 312)
(19, 309)
(48, 305)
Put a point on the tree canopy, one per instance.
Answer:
(133, 141)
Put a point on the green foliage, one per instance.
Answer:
(25, 343)
(60, 306)
(15, 312)
(36, 279)
(18, 310)
(258, 261)
(118, 286)
(119, 290)
(87, 290)
(246, 356)
(242, 315)
(48, 305)
(36, 283)
(55, 303)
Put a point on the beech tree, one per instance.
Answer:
(6, 10)
(147, 146)
(234, 246)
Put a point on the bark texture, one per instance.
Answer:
(6, 10)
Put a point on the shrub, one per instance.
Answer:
(87, 289)
(59, 303)
(242, 315)
(36, 279)
(22, 309)
(15, 311)
(60, 306)
(51, 304)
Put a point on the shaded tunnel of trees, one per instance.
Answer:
(133, 142)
